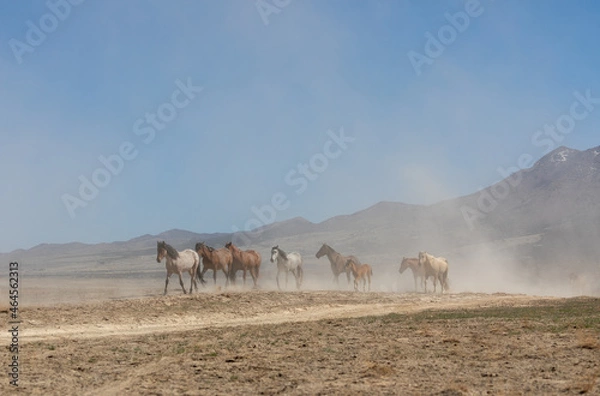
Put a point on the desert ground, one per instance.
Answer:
(85, 338)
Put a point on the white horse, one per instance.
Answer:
(287, 262)
(178, 263)
(437, 267)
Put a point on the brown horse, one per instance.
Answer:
(244, 260)
(215, 260)
(417, 270)
(361, 272)
(338, 262)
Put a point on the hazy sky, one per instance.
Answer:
(84, 81)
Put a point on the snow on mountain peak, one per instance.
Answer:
(562, 155)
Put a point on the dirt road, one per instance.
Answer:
(318, 342)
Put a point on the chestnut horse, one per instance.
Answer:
(178, 263)
(245, 260)
(338, 262)
(362, 272)
(215, 260)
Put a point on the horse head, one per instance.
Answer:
(349, 263)
(323, 251)
(274, 253)
(422, 258)
(161, 250)
(403, 264)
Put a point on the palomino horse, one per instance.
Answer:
(437, 267)
(215, 260)
(287, 262)
(362, 272)
(338, 262)
(417, 270)
(245, 260)
(178, 263)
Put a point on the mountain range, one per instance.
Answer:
(541, 221)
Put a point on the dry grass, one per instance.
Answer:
(587, 340)
(461, 345)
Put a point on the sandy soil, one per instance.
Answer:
(313, 342)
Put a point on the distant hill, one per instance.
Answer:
(540, 221)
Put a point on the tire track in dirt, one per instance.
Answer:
(314, 311)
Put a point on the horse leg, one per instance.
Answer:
(277, 277)
(254, 277)
(244, 276)
(227, 276)
(193, 281)
(215, 276)
(194, 273)
(297, 277)
(287, 274)
(300, 273)
(181, 283)
(166, 283)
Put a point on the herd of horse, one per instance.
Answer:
(230, 260)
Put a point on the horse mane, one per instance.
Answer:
(200, 244)
(232, 246)
(171, 251)
(281, 252)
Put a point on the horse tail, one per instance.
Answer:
(446, 280)
(300, 273)
(231, 273)
(199, 273)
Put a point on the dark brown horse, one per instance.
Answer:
(215, 260)
(244, 260)
(338, 262)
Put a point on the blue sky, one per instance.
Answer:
(270, 94)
